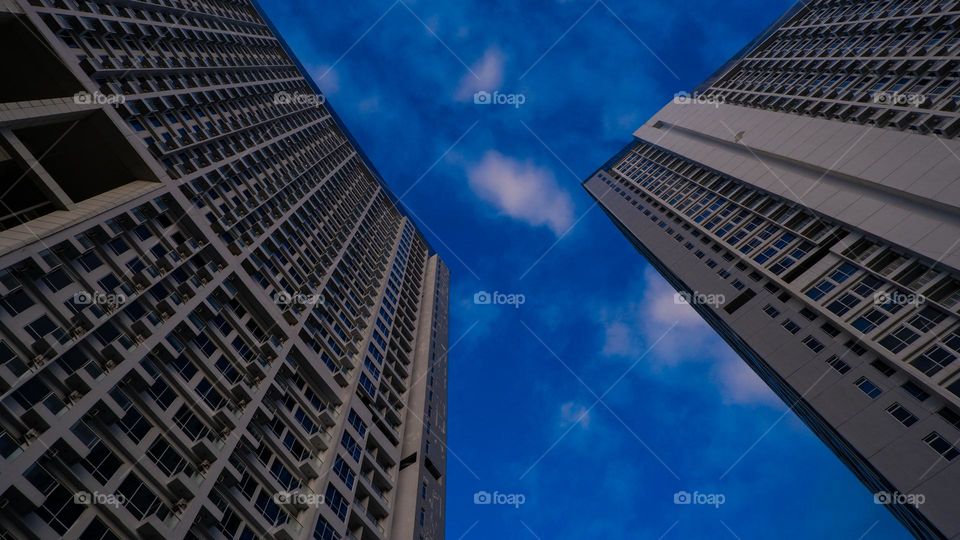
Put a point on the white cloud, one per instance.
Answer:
(575, 413)
(369, 105)
(651, 316)
(631, 329)
(487, 75)
(522, 191)
(620, 124)
(327, 78)
(741, 385)
(618, 340)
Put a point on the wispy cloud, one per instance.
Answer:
(630, 327)
(741, 385)
(575, 413)
(489, 75)
(521, 190)
(326, 77)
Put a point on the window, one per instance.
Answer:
(830, 329)
(357, 423)
(836, 363)
(883, 368)
(843, 272)
(135, 425)
(915, 391)
(43, 326)
(336, 501)
(57, 280)
(868, 286)
(167, 459)
(953, 340)
(950, 416)
(899, 339)
(904, 416)
(10, 359)
(941, 446)
(771, 311)
(16, 302)
(808, 315)
(368, 385)
(89, 261)
(791, 326)
(867, 387)
(344, 472)
(101, 463)
(283, 475)
(842, 305)
(927, 319)
(325, 531)
(270, 510)
(855, 347)
(351, 446)
(98, 531)
(813, 344)
(139, 500)
(59, 509)
(869, 320)
(933, 360)
(820, 290)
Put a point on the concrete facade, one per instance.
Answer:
(215, 319)
(796, 184)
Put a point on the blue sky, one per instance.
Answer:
(598, 398)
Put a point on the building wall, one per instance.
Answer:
(222, 340)
(813, 183)
(712, 234)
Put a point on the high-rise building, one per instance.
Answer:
(813, 185)
(215, 320)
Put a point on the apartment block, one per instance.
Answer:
(215, 319)
(813, 182)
